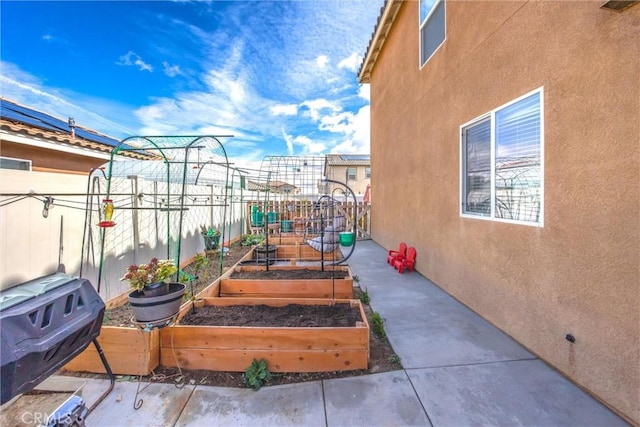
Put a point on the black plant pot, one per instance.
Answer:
(156, 289)
(150, 309)
(264, 252)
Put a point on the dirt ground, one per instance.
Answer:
(303, 273)
(292, 315)
(381, 355)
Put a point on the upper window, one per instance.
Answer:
(367, 172)
(18, 164)
(351, 173)
(432, 27)
(502, 168)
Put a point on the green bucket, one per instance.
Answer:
(257, 219)
(346, 238)
(272, 217)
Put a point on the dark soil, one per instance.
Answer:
(304, 273)
(292, 315)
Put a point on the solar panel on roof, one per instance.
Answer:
(43, 119)
(96, 138)
(355, 157)
(35, 118)
(18, 117)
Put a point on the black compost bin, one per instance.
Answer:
(46, 322)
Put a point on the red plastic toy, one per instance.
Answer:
(406, 262)
(393, 255)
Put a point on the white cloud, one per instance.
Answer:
(337, 123)
(284, 109)
(171, 70)
(365, 91)
(309, 147)
(322, 61)
(133, 59)
(316, 106)
(351, 63)
(358, 140)
(289, 141)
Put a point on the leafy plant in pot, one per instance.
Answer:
(211, 238)
(153, 297)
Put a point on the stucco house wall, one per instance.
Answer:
(358, 185)
(576, 273)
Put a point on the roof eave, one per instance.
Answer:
(383, 26)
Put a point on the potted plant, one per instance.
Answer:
(153, 297)
(211, 238)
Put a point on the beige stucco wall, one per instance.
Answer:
(358, 186)
(579, 273)
(32, 245)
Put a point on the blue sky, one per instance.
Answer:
(281, 76)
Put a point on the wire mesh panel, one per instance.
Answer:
(160, 205)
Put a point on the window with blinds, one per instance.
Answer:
(432, 27)
(351, 174)
(502, 162)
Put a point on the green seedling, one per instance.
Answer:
(200, 262)
(377, 323)
(364, 297)
(256, 374)
(395, 359)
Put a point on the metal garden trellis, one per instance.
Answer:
(176, 179)
(306, 177)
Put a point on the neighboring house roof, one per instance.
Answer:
(388, 13)
(21, 121)
(345, 160)
(348, 160)
(274, 186)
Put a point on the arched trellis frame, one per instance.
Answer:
(304, 176)
(183, 173)
(328, 206)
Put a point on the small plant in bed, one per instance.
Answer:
(364, 297)
(256, 374)
(377, 325)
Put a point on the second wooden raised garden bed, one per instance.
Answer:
(337, 285)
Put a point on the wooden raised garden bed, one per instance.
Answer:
(129, 351)
(288, 239)
(302, 251)
(286, 349)
(284, 286)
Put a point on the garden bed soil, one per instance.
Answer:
(290, 274)
(292, 315)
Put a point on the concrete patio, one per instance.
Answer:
(458, 371)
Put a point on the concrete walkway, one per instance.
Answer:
(458, 371)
